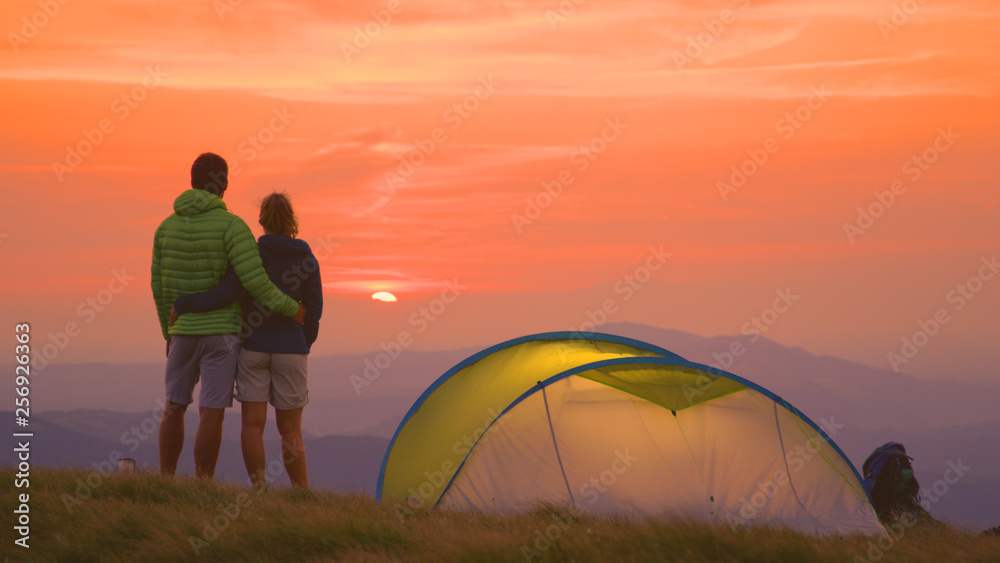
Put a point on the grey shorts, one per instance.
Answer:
(279, 379)
(212, 359)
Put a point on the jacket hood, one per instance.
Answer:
(193, 202)
(283, 245)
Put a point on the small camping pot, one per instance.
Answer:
(126, 465)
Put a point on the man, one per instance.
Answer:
(191, 251)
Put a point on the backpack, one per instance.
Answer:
(889, 480)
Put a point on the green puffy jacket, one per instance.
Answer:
(191, 249)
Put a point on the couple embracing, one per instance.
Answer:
(235, 313)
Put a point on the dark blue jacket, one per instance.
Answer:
(292, 267)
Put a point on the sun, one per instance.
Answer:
(384, 296)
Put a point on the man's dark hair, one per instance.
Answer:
(210, 173)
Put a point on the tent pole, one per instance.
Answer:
(711, 497)
(552, 431)
(784, 457)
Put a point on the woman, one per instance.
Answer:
(272, 363)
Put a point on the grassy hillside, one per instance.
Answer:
(147, 518)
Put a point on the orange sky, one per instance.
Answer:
(493, 99)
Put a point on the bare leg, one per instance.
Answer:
(171, 437)
(293, 450)
(207, 441)
(252, 440)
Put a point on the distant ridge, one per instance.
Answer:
(939, 421)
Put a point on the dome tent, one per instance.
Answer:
(612, 425)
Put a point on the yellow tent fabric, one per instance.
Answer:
(617, 426)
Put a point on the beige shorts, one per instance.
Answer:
(279, 379)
